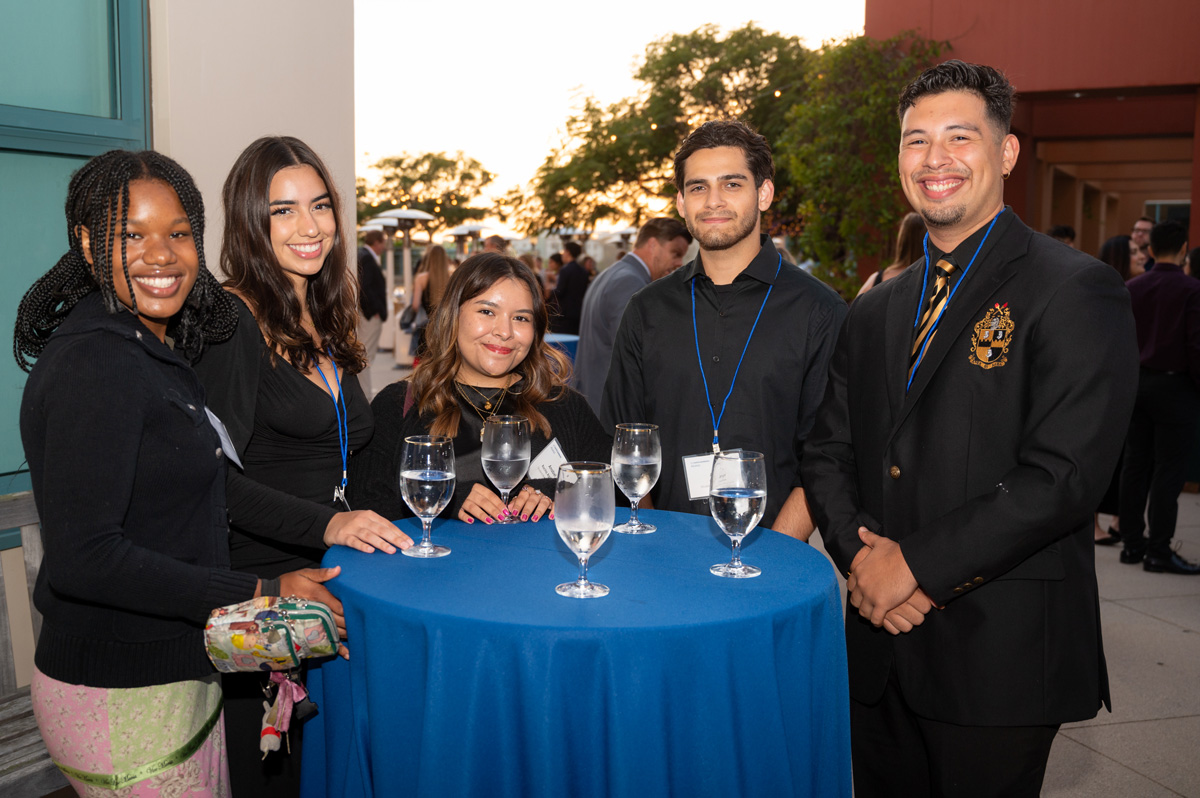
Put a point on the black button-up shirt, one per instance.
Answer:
(655, 372)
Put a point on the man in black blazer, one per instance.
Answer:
(372, 300)
(964, 439)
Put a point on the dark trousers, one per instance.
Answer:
(898, 754)
(1160, 439)
(277, 776)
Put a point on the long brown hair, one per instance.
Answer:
(910, 241)
(545, 369)
(436, 264)
(254, 272)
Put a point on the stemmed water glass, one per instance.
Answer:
(636, 462)
(505, 456)
(427, 483)
(584, 506)
(736, 500)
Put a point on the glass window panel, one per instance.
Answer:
(34, 231)
(58, 55)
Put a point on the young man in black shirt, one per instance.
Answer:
(730, 351)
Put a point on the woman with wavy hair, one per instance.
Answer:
(486, 355)
(285, 384)
(428, 287)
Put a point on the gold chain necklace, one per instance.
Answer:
(487, 404)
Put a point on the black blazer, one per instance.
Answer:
(987, 472)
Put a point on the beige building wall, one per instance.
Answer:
(224, 72)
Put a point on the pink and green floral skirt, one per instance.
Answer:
(167, 740)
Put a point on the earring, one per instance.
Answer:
(1005, 175)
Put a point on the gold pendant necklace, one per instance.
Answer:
(486, 406)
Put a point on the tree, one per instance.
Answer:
(439, 184)
(840, 150)
(615, 161)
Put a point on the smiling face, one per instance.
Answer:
(1141, 232)
(495, 331)
(952, 164)
(719, 202)
(159, 250)
(303, 224)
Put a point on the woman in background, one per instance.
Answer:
(285, 386)
(428, 287)
(910, 248)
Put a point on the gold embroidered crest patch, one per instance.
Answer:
(993, 334)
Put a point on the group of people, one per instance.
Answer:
(944, 432)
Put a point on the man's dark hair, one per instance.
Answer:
(988, 83)
(1144, 219)
(574, 249)
(664, 229)
(728, 133)
(1167, 238)
(1063, 232)
(372, 237)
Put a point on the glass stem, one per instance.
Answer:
(583, 561)
(633, 508)
(426, 531)
(736, 562)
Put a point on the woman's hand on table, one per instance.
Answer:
(484, 504)
(365, 530)
(307, 583)
(530, 504)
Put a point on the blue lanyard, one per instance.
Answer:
(716, 420)
(924, 285)
(343, 424)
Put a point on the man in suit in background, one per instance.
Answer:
(569, 291)
(658, 251)
(372, 300)
(955, 462)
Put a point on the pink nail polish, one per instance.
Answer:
(470, 520)
(551, 516)
(536, 518)
(525, 517)
(487, 520)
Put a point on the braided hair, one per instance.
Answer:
(98, 199)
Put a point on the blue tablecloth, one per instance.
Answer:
(469, 676)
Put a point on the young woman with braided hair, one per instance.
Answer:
(129, 479)
(285, 385)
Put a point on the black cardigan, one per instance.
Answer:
(129, 481)
(375, 471)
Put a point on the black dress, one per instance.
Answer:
(285, 430)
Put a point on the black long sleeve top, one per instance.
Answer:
(129, 481)
(375, 471)
(285, 430)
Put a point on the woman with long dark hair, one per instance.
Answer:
(128, 476)
(428, 287)
(910, 248)
(285, 384)
(486, 355)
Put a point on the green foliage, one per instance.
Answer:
(615, 161)
(840, 149)
(439, 184)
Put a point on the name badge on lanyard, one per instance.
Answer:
(697, 470)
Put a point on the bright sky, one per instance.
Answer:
(498, 80)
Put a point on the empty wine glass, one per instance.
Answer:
(584, 506)
(636, 462)
(505, 455)
(736, 500)
(427, 483)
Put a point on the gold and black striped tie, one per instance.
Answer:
(941, 291)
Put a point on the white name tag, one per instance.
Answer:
(227, 447)
(545, 465)
(697, 470)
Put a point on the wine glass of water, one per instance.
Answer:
(636, 462)
(506, 455)
(584, 506)
(427, 483)
(736, 500)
